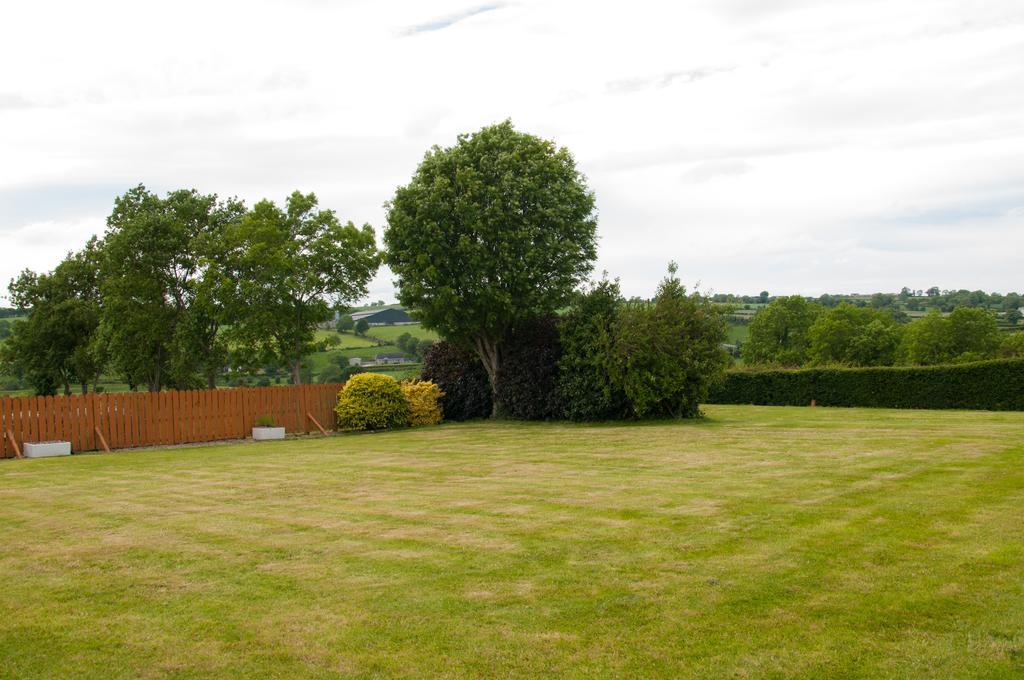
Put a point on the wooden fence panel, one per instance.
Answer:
(147, 432)
(96, 416)
(120, 422)
(13, 422)
(131, 434)
(162, 413)
(130, 419)
(110, 408)
(218, 416)
(89, 422)
(5, 417)
(154, 418)
(71, 422)
(206, 402)
(206, 409)
(174, 417)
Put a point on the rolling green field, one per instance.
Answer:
(391, 333)
(737, 332)
(347, 340)
(760, 542)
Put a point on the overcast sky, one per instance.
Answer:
(793, 145)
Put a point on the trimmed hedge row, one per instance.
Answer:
(987, 385)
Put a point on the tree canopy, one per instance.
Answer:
(669, 353)
(856, 336)
(491, 232)
(285, 269)
(779, 332)
(54, 346)
(157, 318)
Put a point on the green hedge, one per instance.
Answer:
(989, 385)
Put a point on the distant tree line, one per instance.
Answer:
(792, 331)
(183, 288)
(907, 299)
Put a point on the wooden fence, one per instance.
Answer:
(121, 420)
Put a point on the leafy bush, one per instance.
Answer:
(423, 397)
(779, 332)
(462, 380)
(371, 401)
(1012, 346)
(669, 353)
(586, 391)
(345, 323)
(966, 335)
(330, 374)
(856, 336)
(992, 385)
(266, 421)
(528, 382)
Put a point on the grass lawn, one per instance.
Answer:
(760, 542)
(392, 333)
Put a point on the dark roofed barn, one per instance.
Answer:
(384, 317)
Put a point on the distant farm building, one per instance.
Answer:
(383, 317)
(392, 358)
(383, 359)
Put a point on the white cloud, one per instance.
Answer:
(795, 146)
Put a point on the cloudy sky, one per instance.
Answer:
(792, 145)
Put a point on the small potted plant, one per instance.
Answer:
(266, 428)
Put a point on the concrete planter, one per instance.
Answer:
(264, 433)
(47, 449)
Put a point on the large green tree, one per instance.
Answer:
(55, 346)
(973, 334)
(285, 270)
(857, 336)
(1012, 346)
(495, 230)
(160, 326)
(926, 341)
(967, 334)
(778, 333)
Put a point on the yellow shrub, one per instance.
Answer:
(423, 397)
(371, 401)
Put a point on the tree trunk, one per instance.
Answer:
(297, 372)
(85, 388)
(154, 383)
(490, 353)
(67, 389)
(211, 380)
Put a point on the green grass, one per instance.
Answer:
(778, 542)
(391, 333)
(737, 332)
(348, 340)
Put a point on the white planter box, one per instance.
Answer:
(264, 433)
(47, 449)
